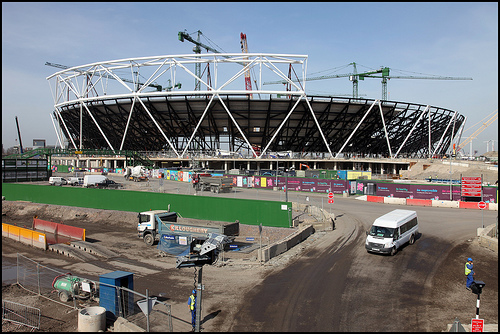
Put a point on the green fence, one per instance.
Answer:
(252, 212)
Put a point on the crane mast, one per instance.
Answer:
(244, 49)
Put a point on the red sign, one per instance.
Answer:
(477, 325)
(330, 195)
(471, 186)
(481, 205)
(330, 200)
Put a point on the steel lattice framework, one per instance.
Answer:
(120, 105)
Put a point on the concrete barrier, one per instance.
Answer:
(285, 244)
(72, 232)
(445, 204)
(470, 205)
(376, 199)
(24, 235)
(486, 237)
(418, 202)
(395, 200)
(493, 206)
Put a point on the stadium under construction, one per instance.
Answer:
(138, 104)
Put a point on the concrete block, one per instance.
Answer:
(446, 204)
(395, 200)
(493, 206)
(418, 202)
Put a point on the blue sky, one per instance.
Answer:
(445, 39)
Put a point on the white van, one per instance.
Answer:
(75, 181)
(91, 180)
(57, 181)
(391, 231)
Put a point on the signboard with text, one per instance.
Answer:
(471, 186)
(477, 325)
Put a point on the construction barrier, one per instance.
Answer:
(71, 232)
(395, 200)
(24, 235)
(376, 199)
(418, 202)
(471, 205)
(445, 204)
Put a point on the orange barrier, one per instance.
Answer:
(471, 205)
(24, 235)
(418, 202)
(72, 232)
(376, 199)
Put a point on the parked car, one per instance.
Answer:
(57, 181)
(109, 184)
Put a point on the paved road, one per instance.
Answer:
(338, 286)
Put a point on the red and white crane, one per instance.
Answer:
(244, 49)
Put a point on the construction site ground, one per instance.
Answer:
(231, 284)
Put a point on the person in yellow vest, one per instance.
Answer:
(192, 307)
(469, 273)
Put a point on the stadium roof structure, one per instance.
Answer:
(138, 104)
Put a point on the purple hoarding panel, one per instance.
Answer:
(399, 190)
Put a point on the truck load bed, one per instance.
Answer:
(226, 228)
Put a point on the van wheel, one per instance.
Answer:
(148, 239)
(393, 251)
(412, 239)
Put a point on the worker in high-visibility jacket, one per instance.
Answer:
(192, 307)
(469, 273)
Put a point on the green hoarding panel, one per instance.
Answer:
(252, 212)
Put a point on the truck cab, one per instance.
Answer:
(150, 223)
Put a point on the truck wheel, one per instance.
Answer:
(393, 251)
(217, 190)
(64, 296)
(412, 239)
(148, 239)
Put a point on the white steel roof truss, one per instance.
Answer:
(385, 129)
(194, 75)
(445, 131)
(356, 128)
(319, 127)
(55, 129)
(283, 76)
(198, 125)
(65, 127)
(279, 128)
(159, 128)
(411, 131)
(117, 78)
(236, 123)
(128, 122)
(100, 130)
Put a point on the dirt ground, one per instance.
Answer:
(237, 274)
(228, 284)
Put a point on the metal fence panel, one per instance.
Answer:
(40, 279)
(21, 314)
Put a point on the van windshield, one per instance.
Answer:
(383, 232)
